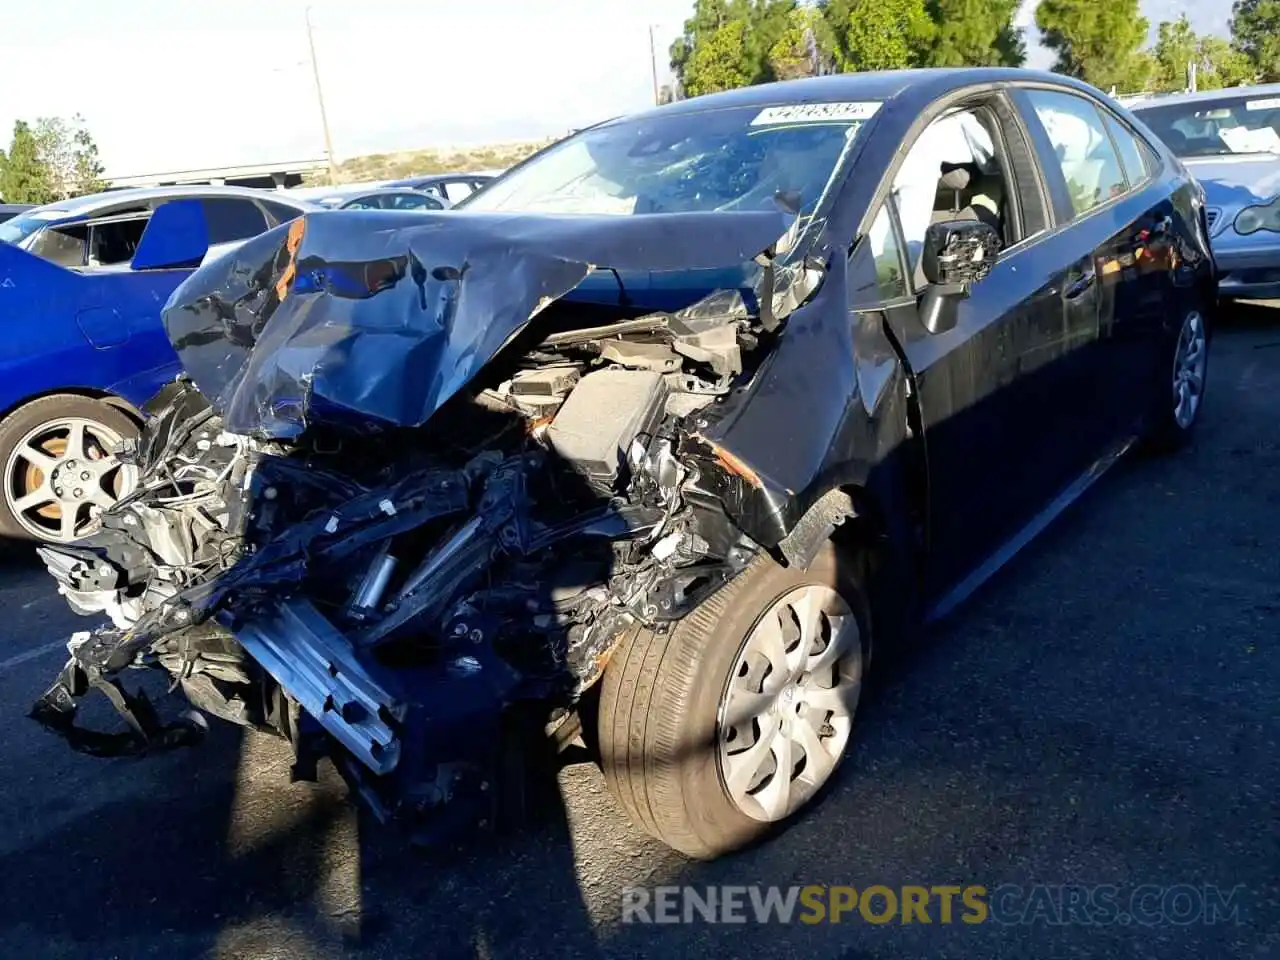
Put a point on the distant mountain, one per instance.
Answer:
(1206, 16)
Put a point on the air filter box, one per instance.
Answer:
(605, 412)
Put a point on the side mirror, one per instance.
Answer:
(956, 255)
(176, 237)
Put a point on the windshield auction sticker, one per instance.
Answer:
(1270, 103)
(815, 113)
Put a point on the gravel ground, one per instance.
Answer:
(1104, 712)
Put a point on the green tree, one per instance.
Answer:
(87, 169)
(880, 34)
(976, 33)
(729, 43)
(1255, 27)
(1223, 66)
(720, 62)
(1099, 41)
(24, 178)
(1177, 45)
(1217, 64)
(69, 154)
(806, 47)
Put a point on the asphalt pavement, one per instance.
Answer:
(1105, 712)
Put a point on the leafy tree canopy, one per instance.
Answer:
(976, 33)
(1217, 63)
(1255, 27)
(53, 160)
(24, 178)
(1099, 41)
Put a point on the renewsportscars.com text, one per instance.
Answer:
(1047, 904)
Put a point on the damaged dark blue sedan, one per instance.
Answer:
(649, 443)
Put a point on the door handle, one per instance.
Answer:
(1080, 284)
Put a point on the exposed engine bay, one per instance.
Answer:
(381, 567)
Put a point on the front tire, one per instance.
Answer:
(56, 467)
(720, 729)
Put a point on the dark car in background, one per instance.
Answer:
(366, 197)
(453, 187)
(1230, 141)
(419, 508)
(10, 210)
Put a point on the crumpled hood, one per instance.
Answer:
(385, 315)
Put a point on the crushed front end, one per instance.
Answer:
(385, 512)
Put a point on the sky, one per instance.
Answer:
(185, 84)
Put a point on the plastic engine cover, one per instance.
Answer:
(605, 412)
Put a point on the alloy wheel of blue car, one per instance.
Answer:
(58, 470)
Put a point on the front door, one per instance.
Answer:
(992, 390)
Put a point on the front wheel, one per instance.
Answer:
(718, 730)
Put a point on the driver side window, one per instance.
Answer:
(953, 172)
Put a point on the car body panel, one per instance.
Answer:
(95, 331)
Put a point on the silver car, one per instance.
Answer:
(1230, 142)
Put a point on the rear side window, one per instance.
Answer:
(67, 246)
(279, 212)
(1083, 148)
(231, 220)
(458, 190)
(116, 241)
(411, 201)
(1139, 165)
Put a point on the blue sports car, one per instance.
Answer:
(82, 283)
(1230, 142)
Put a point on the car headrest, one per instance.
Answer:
(958, 176)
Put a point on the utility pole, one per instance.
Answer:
(324, 117)
(653, 65)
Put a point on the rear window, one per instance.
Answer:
(280, 213)
(230, 220)
(1207, 128)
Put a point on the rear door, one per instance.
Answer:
(1117, 222)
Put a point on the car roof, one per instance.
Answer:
(90, 204)
(378, 191)
(881, 86)
(454, 175)
(1208, 96)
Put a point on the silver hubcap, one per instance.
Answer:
(61, 476)
(787, 712)
(1190, 361)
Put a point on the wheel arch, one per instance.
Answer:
(90, 393)
(870, 528)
